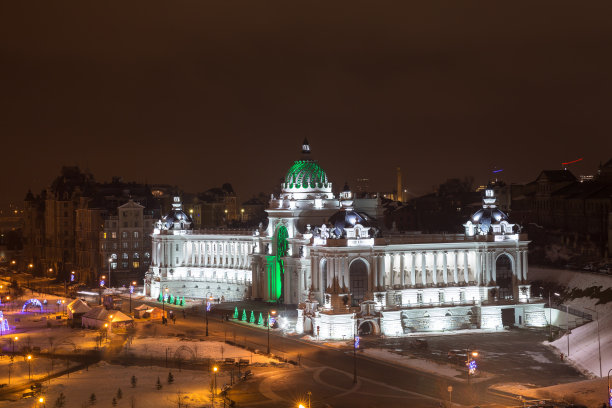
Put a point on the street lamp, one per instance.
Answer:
(206, 309)
(214, 390)
(270, 312)
(29, 366)
(598, 339)
(470, 367)
(1, 326)
(100, 287)
(131, 290)
(13, 340)
(163, 305)
(110, 285)
(41, 401)
(609, 389)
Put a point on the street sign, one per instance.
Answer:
(131, 289)
(102, 282)
(208, 306)
(356, 342)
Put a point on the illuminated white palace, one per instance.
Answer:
(327, 255)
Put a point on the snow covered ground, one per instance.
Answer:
(104, 380)
(584, 345)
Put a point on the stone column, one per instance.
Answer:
(423, 268)
(525, 269)
(413, 268)
(444, 268)
(383, 273)
(455, 267)
(493, 267)
(435, 267)
(374, 272)
(466, 270)
(402, 271)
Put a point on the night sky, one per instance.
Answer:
(199, 93)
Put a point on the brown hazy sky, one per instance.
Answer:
(198, 93)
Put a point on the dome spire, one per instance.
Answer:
(305, 147)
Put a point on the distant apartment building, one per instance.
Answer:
(125, 243)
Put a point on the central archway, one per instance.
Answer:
(358, 281)
(503, 272)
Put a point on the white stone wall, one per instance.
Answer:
(490, 317)
(337, 326)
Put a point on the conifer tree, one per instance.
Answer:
(92, 399)
(244, 316)
(236, 312)
(170, 377)
(114, 402)
(159, 384)
(252, 319)
(119, 393)
(60, 402)
(133, 381)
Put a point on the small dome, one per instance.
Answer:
(344, 219)
(485, 217)
(176, 218)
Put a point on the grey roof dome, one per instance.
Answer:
(177, 218)
(348, 218)
(487, 216)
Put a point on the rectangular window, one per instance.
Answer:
(124, 244)
(113, 265)
(135, 264)
(124, 265)
(136, 244)
(177, 247)
(135, 234)
(441, 297)
(420, 298)
(105, 235)
(113, 235)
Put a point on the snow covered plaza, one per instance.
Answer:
(346, 273)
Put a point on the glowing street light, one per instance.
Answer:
(206, 310)
(270, 312)
(13, 340)
(131, 290)
(214, 391)
(29, 366)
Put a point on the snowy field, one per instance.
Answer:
(104, 380)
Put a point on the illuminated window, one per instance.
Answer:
(124, 245)
(124, 256)
(135, 234)
(105, 235)
(135, 264)
(124, 265)
(113, 235)
(136, 244)
(147, 255)
(136, 255)
(114, 256)
(124, 234)
(113, 265)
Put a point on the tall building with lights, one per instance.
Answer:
(328, 255)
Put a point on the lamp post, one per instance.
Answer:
(598, 339)
(214, 390)
(270, 312)
(1, 326)
(13, 340)
(206, 309)
(109, 273)
(29, 366)
(469, 354)
(163, 305)
(100, 288)
(450, 396)
(131, 290)
(609, 389)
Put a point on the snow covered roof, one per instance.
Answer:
(78, 306)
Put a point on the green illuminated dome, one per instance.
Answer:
(307, 175)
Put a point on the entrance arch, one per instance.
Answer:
(503, 272)
(358, 281)
(368, 327)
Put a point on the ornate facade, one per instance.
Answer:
(328, 255)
